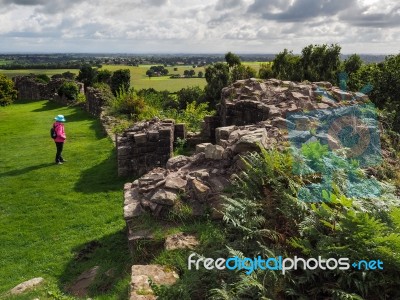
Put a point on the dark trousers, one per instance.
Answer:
(59, 146)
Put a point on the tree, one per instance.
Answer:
(87, 75)
(121, 79)
(200, 74)
(242, 72)
(321, 62)
(232, 59)
(190, 94)
(352, 64)
(104, 76)
(150, 73)
(8, 94)
(192, 73)
(217, 77)
(265, 71)
(160, 70)
(287, 66)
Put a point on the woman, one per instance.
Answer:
(60, 138)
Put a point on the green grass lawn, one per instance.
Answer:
(58, 220)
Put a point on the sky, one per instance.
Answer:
(198, 26)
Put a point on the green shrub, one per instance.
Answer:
(68, 75)
(69, 89)
(192, 115)
(180, 147)
(128, 102)
(8, 94)
(43, 78)
(81, 98)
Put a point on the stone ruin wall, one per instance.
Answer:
(95, 101)
(252, 113)
(145, 146)
(30, 89)
(250, 102)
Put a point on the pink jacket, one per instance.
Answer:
(59, 128)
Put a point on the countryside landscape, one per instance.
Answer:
(249, 151)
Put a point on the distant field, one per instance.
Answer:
(255, 64)
(3, 61)
(139, 80)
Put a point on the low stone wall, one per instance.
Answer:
(30, 89)
(145, 146)
(95, 101)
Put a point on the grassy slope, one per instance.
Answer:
(49, 213)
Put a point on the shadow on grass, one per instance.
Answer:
(111, 255)
(81, 115)
(48, 105)
(26, 170)
(102, 177)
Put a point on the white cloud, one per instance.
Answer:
(198, 26)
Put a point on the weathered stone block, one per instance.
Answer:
(251, 141)
(200, 191)
(140, 287)
(164, 197)
(124, 151)
(27, 285)
(152, 136)
(175, 183)
(214, 152)
(177, 162)
(181, 241)
(201, 147)
(140, 138)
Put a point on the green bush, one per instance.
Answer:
(8, 94)
(128, 102)
(81, 98)
(43, 78)
(192, 115)
(69, 89)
